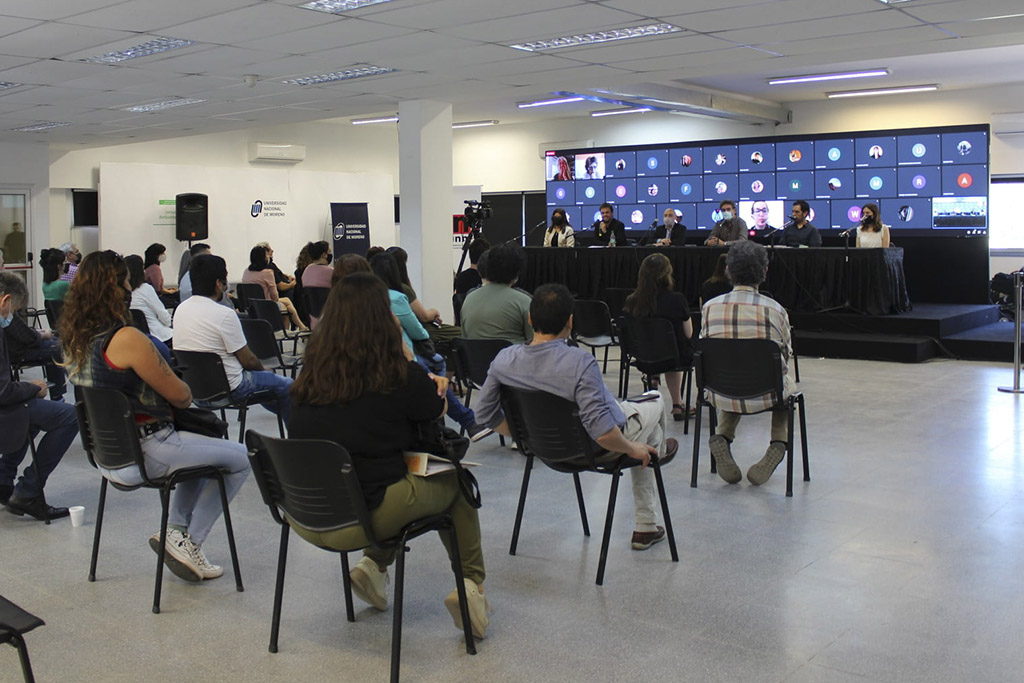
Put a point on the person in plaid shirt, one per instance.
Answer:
(744, 313)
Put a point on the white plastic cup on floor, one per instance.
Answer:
(77, 515)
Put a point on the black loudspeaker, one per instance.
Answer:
(191, 217)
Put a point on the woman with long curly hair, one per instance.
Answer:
(102, 351)
(362, 389)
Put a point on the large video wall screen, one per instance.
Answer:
(926, 181)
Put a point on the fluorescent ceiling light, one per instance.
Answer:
(813, 78)
(376, 119)
(616, 112)
(597, 37)
(166, 104)
(544, 103)
(339, 6)
(881, 91)
(4, 85)
(344, 75)
(475, 124)
(155, 46)
(47, 125)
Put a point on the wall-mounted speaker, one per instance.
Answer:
(191, 217)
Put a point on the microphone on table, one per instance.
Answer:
(846, 232)
(647, 233)
(529, 233)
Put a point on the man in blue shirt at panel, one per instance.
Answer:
(549, 364)
(800, 232)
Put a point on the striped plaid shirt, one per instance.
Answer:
(744, 313)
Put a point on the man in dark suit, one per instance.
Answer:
(609, 231)
(671, 233)
(24, 413)
(25, 344)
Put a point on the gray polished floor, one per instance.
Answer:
(900, 561)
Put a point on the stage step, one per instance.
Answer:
(988, 342)
(900, 348)
(928, 320)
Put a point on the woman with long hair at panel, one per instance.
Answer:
(362, 389)
(385, 267)
(259, 273)
(144, 298)
(654, 298)
(103, 352)
(559, 233)
(872, 232)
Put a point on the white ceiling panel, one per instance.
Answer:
(542, 25)
(381, 52)
(622, 51)
(459, 12)
(965, 11)
(132, 40)
(46, 95)
(53, 39)
(665, 8)
(849, 29)
(9, 25)
(9, 61)
(179, 87)
(213, 60)
(897, 37)
(572, 78)
(762, 14)
(679, 62)
(118, 77)
(48, 10)
(249, 23)
(442, 60)
(1007, 26)
(513, 67)
(154, 15)
(329, 36)
(49, 72)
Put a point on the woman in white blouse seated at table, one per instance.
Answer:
(872, 232)
(559, 233)
(146, 299)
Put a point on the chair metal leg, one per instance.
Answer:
(242, 410)
(165, 503)
(282, 561)
(346, 585)
(280, 419)
(796, 365)
(99, 529)
(696, 444)
(26, 664)
(665, 514)
(579, 499)
(713, 429)
(522, 504)
(803, 436)
(396, 629)
(608, 525)
(604, 369)
(231, 533)
(688, 378)
(460, 588)
(789, 451)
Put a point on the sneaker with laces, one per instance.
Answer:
(760, 471)
(479, 609)
(642, 540)
(478, 431)
(179, 555)
(370, 584)
(722, 453)
(208, 569)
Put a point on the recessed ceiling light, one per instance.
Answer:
(46, 125)
(344, 75)
(4, 85)
(339, 6)
(155, 46)
(616, 112)
(812, 78)
(166, 104)
(545, 103)
(475, 124)
(375, 119)
(882, 91)
(644, 31)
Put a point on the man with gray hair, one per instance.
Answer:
(744, 313)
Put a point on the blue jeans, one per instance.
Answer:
(60, 423)
(263, 380)
(458, 412)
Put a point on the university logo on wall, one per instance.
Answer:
(268, 209)
(339, 231)
(257, 209)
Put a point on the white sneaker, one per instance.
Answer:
(209, 570)
(370, 584)
(479, 609)
(179, 555)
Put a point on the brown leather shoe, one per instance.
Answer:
(642, 540)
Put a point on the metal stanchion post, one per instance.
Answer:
(1015, 389)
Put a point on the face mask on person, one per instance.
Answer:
(867, 220)
(558, 220)
(727, 215)
(670, 221)
(330, 257)
(163, 257)
(6, 320)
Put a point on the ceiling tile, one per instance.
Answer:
(849, 29)
(154, 15)
(35, 9)
(444, 13)
(442, 60)
(329, 36)
(965, 11)
(381, 52)
(663, 46)
(541, 25)
(9, 25)
(728, 16)
(214, 60)
(54, 39)
(249, 23)
(50, 72)
(967, 29)
(903, 36)
(679, 63)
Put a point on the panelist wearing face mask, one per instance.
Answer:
(872, 232)
(559, 233)
(670, 233)
(730, 229)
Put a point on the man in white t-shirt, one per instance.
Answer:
(202, 324)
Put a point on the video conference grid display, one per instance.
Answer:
(925, 181)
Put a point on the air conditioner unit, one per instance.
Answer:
(264, 151)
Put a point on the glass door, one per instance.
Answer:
(13, 228)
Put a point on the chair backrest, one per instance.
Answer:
(548, 427)
(268, 310)
(204, 374)
(739, 368)
(260, 338)
(313, 482)
(616, 299)
(139, 320)
(107, 425)
(315, 298)
(53, 310)
(473, 357)
(591, 318)
(247, 291)
(650, 343)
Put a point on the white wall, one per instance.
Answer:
(26, 167)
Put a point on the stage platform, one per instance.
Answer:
(927, 331)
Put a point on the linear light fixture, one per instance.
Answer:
(616, 112)
(155, 46)
(166, 104)
(4, 85)
(46, 125)
(339, 6)
(475, 124)
(545, 103)
(882, 91)
(344, 75)
(375, 119)
(813, 78)
(644, 31)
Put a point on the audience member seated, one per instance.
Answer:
(72, 256)
(497, 310)
(284, 283)
(549, 364)
(361, 389)
(348, 264)
(302, 261)
(155, 255)
(145, 299)
(416, 338)
(26, 345)
(744, 313)
(103, 353)
(654, 298)
(716, 285)
(23, 414)
(441, 334)
(319, 272)
(185, 281)
(202, 324)
(260, 273)
(470, 278)
(51, 261)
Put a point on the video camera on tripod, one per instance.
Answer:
(477, 212)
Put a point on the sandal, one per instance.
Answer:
(677, 412)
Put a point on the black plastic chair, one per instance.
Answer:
(615, 297)
(53, 308)
(592, 327)
(315, 298)
(548, 427)
(472, 360)
(746, 369)
(313, 484)
(649, 344)
(14, 624)
(260, 338)
(111, 441)
(246, 292)
(204, 374)
(264, 309)
(139, 320)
